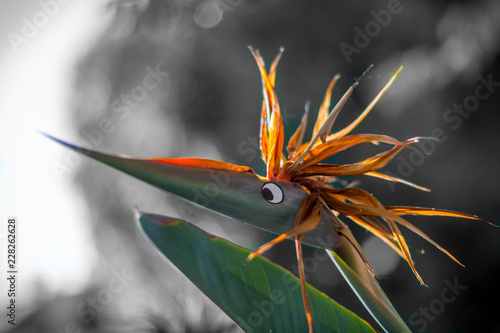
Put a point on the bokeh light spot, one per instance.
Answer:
(381, 256)
(208, 14)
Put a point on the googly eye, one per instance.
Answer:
(272, 193)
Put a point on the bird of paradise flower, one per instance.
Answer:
(303, 166)
(298, 191)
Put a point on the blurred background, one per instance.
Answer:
(175, 78)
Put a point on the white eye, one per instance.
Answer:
(272, 193)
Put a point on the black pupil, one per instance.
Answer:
(267, 194)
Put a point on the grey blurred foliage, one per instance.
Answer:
(208, 106)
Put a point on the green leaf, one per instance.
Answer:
(258, 295)
(237, 194)
(367, 289)
(234, 194)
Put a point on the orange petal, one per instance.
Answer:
(275, 132)
(424, 236)
(266, 84)
(325, 150)
(326, 127)
(305, 298)
(356, 195)
(325, 106)
(263, 140)
(388, 216)
(296, 140)
(203, 163)
(370, 164)
(274, 65)
(344, 231)
(308, 224)
(406, 210)
(275, 144)
(385, 237)
(267, 246)
(367, 210)
(356, 122)
(405, 250)
(395, 179)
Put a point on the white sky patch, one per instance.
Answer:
(55, 245)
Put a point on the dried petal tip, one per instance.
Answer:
(356, 80)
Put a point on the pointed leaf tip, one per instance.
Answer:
(66, 144)
(235, 285)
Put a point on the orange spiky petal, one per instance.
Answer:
(325, 127)
(274, 132)
(315, 217)
(274, 66)
(363, 115)
(303, 287)
(386, 237)
(407, 210)
(308, 224)
(396, 179)
(325, 150)
(307, 218)
(370, 164)
(324, 108)
(296, 139)
(304, 167)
